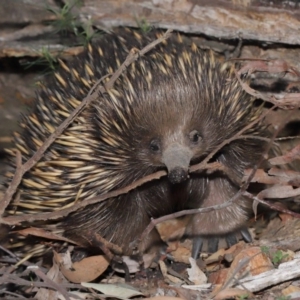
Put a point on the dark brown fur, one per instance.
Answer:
(168, 110)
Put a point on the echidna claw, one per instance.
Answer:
(231, 240)
(197, 246)
(246, 235)
(213, 244)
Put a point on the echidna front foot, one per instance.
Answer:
(213, 242)
(212, 245)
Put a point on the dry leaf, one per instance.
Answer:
(182, 251)
(163, 298)
(149, 258)
(279, 192)
(218, 277)
(200, 287)
(167, 277)
(236, 248)
(282, 234)
(274, 176)
(85, 270)
(285, 217)
(291, 290)
(215, 257)
(172, 229)
(133, 265)
(55, 275)
(287, 158)
(81, 295)
(113, 290)
(233, 293)
(256, 262)
(195, 274)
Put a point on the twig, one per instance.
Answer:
(13, 220)
(284, 100)
(272, 205)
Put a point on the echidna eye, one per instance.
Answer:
(154, 146)
(195, 136)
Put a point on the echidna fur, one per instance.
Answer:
(170, 108)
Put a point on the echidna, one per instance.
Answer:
(168, 110)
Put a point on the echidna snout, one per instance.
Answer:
(178, 175)
(177, 160)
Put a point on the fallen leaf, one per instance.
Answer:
(55, 275)
(219, 276)
(195, 274)
(77, 295)
(168, 277)
(285, 217)
(133, 265)
(198, 287)
(287, 158)
(292, 289)
(182, 251)
(236, 249)
(233, 293)
(282, 234)
(85, 270)
(113, 290)
(163, 298)
(172, 229)
(215, 257)
(255, 262)
(279, 192)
